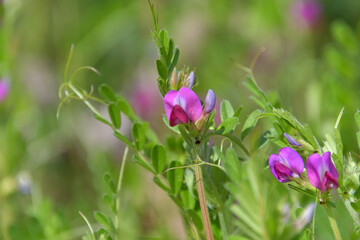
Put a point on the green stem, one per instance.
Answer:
(118, 190)
(203, 206)
(81, 96)
(313, 221)
(238, 142)
(333, 223)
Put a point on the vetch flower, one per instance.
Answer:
(292, 140)
(182, 106)
(208, 106)
(288, 164)
(321, 172)
(4, 89)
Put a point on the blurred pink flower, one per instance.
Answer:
(307, 12)
(4, 89)
(144, 99)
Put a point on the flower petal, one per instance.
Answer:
(292, 159)
(191, 104)
(178, 116)
(328, 165)
(283, 173)
(315, 170)
(329, 182)
(170, 100)
(272, 160)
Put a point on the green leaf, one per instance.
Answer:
(232, 164)
(357, 194)
(122, 138)
(110, 182)
(107, 93)
(164, 39)
(126, 108)
(114, 113)
(250, 123)
(187, 199)
(110, 202)
(170, 52)
(226, 110)
(357, 118)
(228, 125)
(345, 36)
(158, 158)
(175, 177)
(142, 162)
(162, 69)
(175, 60)
(138, 135)
(356, 206)
(303, 129)
(238, 111)
(101, 119)
(158, 182)
(103, 220)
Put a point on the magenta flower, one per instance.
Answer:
(4, 89)
(182, 106)
(321, 172)
(288, 164)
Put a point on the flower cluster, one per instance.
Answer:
(321, 172)
(184, 106)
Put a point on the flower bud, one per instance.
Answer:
(174, 80)
(292, 140)
(210, 101)
(189, 83)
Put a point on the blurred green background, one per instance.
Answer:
(50, 169)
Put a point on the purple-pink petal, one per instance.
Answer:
(321, 172)
(288, 164)
(170, 100)
(283, 173)
(292, 159)
(190, 102)
(329, 182)
(178, 116)
(315, 170)
(210, 101)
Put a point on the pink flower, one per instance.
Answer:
(321, 172)
(182, 106)
(4, 89)
(288, 164)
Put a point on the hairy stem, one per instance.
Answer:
(203, 206)
(333, 223)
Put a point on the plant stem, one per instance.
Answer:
(238, 142)
(203, 206)
(118, 190)
(81, 96)
(333, 223)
